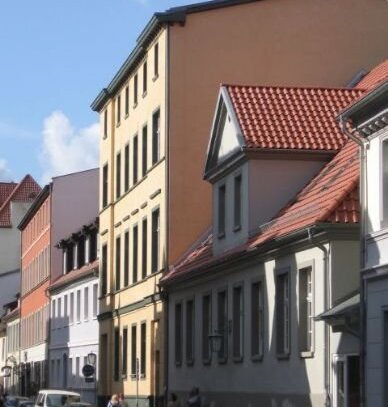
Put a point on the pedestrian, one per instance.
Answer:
(122, 402)
(173, 401)
(114, 401)
(194, 398)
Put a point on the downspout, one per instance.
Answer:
(327, 293)
(364, 145)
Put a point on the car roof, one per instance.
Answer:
(62, 392)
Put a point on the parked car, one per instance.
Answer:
(26, 403)
(56, 398)
(14, 401)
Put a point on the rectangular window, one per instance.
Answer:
(118, 263)
(118, 175)
(143, 350)
(257, 320)
(135, 90)
(135, 253)
(116, 358)
(155, 240)
(282, 314)
(305, 310)
(178, 333)
(156, 60)
(238, 323)
(222, 323)
(144, 249)
(221, 210)
(206, 326)
(156, 137)
(125, 352)
(104, 270)
(59, 302)
(126, 258)
(71, 319)
(126, 168)
(126, 100)
(133, 352)
(95, 300)
(86, 303)
(105, 123)
(118, 109)
(135, 161)
(105, 186)
(78, 306)
(65, 310)
(190, 332)
(237, 202)
(144, 78)
(144, 165)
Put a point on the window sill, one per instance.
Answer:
(306, 354)
(156, 76)
(222, 361)
(257, 358)
(207, 361)
(118, 124)
(190, 362)
(144, 94)
(134, 106)
(104, 137)
(178, 364)
(238, 359)
(283, 356)
(221, 235)
(124, 376)
(126, 116)
(237, 228)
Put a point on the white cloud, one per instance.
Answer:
(5, 173)
(66, 149)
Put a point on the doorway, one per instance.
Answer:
(346, 381)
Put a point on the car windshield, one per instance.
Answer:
(59, 400)
(11, 402)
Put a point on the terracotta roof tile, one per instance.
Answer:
(26, 191)
(374, 77)
(6, 189)
(290, 118)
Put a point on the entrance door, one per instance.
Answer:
(346, 381)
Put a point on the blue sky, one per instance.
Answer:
(56, 55)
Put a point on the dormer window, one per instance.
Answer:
(237, 202)
(81, 251)
(221, 210)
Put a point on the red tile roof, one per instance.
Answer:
(290, 118)
(26, 191)
(330, 197)
(374, 77)
(6, 189)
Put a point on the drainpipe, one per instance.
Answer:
(327, 294)
(364, 145)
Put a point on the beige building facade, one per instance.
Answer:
(156, 116)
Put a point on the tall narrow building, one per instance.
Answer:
(155, 118)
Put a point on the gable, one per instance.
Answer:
(225, 139)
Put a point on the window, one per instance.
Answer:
(126, 258)
(135, 161)
(135, 253)
(155, 240)
(126, 101)
(116, 354)
(237, 202)
(144, 249)
(257, 320)
(93, 245)
(156, 137)
(78, 306)
(222, 323)
(71, 319)
(135, 90)
(118, 110)
(125, 352)
(190, 332)
(144, 151)
(305, 310)
(143, 359)
(104, 270)
(95, 300)
(178, 333)
(384, 199)
(65, 310)
(206, 326)
(105, 123)
(133, 352)
(238, 323)
(118, 263)
(105, 186)
(86, 303)
(126, 168)
(118, 175)
(81, 252)
(282, 314)
(145, 78)
(156, 60)
(221, 210)
(59, 303)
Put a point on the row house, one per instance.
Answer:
(148, 131)
(248, 302)
(366, 122)
(74, 309)
(56, 212)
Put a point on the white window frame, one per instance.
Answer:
(286, 304)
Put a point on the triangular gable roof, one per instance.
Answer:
(26, 191)
(6, 189)
(374, 77)
(330, 197)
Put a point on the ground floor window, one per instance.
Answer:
(346, 381)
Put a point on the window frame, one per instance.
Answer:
(237, 209)
(189, 351)
(178, 334)
(285, 352)
(205, 342)
(221, 211)
(240, 357)
(260, 320)
(224, 352)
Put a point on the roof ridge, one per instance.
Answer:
(336, 88)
